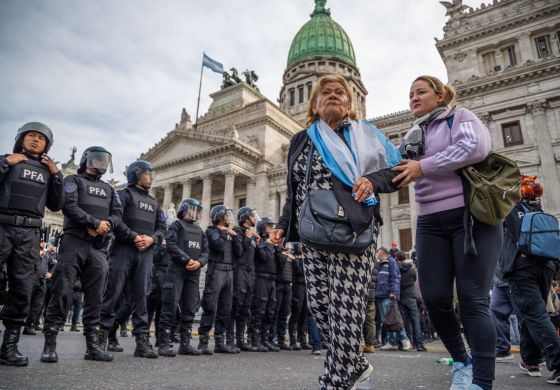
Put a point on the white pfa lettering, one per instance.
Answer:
(33, 175)
(146, 206)
(194, 244)
(96, 191)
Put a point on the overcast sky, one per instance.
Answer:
(117, 73)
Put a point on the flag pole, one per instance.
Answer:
(198, 101)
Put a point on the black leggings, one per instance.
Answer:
(441, 261)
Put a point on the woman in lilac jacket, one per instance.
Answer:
(442, 140)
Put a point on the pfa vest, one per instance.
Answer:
(248, 256)
(265, 261)
(189, 239)
(25, 188)
(94, 197)
(140, 215)
(285, 274)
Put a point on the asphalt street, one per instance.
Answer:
(282, 370)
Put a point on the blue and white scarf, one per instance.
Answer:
(369, 151)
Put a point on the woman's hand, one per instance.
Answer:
(409, 170)
(362, 189)
(276, 236)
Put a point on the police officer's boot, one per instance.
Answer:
(303, 342)
(257, 344)
(93, 346)
(203, 344)
(29, 329)
(113, 343)
(293, 342)
(240, 338)
(230, 341)
(220, 346)
(267, 344)
(281, 342)
(143, 347)
(164, 349)
(185, 347)
(9, 353)
(103, 336)
(49, 354)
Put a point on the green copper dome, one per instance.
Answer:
(321, 37)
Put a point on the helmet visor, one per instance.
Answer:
(229, 217)
(254, 217)
(100, 160)
(192, 213)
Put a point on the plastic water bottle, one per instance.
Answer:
(445, 361)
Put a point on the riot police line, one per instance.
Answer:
(131, 260)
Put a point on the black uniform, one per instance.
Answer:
(283, 297)
(37, 298)
(218, 289)
(263, 307)
(141, 215)
(159, 269)
(185, 241)
(243, 281)
(297, 325)
(88, 201)
(25, 189)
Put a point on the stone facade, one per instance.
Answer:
(504, 61)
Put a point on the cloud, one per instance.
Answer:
(118, 73)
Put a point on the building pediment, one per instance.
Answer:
(179, 146)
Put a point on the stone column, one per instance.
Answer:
(153, 191)
(274, 197)
(413, 211)
(262, 188)
(167, 196)
(386, 234)
(550, 179)
(187, 186)
(250, 197)
(206, 199)
(229, 186)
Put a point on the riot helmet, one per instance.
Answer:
(97, 158)
(37, 127)
(219, 212)
(189, 210)
(136, 170)
(245, 213)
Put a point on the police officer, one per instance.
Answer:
(188, 249)
(297, 324)
(283, 298)
(91, 211)
(29, 181)
(131, 259)
(218, 289)
(263, 307)
(244, 246)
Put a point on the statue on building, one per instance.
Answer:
(235, 75)
(171, 213)
(185, 117)
(70, 167)
(454, 9)
(233, 132)
(251, 78)
(227, 80)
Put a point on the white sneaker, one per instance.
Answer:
(462, 376)
(406, 345)
(365, 375)
(389, 347)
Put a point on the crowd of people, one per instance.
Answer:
(314, 279)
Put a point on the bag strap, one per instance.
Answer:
(309, 163)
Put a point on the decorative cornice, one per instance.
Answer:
(396, 118)
(509, 23)
(530, 72)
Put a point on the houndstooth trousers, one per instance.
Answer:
(337, 286)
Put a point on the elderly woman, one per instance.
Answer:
(353, 159)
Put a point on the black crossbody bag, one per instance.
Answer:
(323, 224)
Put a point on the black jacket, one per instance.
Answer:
(511, 259)
(408, 279)
(359, 214)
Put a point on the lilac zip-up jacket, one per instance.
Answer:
(467, 142)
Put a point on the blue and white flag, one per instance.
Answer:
(213, 65)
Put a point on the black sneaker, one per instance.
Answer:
(503, 356)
